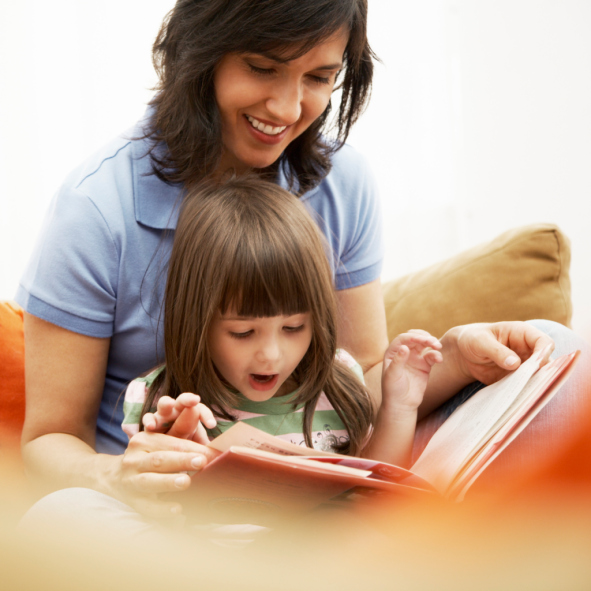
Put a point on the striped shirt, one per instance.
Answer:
(276, 416)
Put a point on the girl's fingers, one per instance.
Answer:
(200, 435)
(207, 417)
(188, 421)
(394, 364)
(432, 357)
(186, 400)
(417, 337)
(154, 423)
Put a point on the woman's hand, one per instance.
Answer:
(184, 417)
(488, 352)
(65, 375)
(483, 352)
(155, 463)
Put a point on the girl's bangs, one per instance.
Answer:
(256, 288)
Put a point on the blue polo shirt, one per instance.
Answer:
(100, 263)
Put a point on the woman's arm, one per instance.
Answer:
(483, 352)
(64, 377)
(363, 333)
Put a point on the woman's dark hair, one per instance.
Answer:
(249, 246)
(197, 34)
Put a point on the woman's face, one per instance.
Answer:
(266, 103)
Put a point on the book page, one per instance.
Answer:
(460, 435)
(524, 401)
(245, 435)
(309, 463)
(553, 376)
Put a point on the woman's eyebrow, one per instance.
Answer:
(282, 60)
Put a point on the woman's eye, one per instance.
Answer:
(321, 79)
(261, 71)
(293, 328)
(240, 335)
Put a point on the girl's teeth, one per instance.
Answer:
(268, 129)
(262, 378)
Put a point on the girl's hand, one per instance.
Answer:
(155, 463)
(407, 364)
(488, 351)
(183, 417)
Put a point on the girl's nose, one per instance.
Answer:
(269, 351)
(285, 103)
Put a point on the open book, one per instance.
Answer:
(257, 476)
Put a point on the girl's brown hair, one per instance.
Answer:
(197, 34)
(250, 246)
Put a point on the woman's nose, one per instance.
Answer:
(285, 102)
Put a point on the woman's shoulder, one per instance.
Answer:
(119, 181)
(113, 159)
(350, 177)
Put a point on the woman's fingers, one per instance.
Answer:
(160, 448)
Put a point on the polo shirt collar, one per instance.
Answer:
(156, 203)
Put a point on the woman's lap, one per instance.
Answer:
(539, 443)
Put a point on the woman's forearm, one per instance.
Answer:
(59, 460)
(446, 379)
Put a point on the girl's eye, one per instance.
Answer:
(293, 328)
(240, 335)
(261, 71)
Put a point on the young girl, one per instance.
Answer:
(250, 334)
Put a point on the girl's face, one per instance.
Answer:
(257, 355)
(266, 103)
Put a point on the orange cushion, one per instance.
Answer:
(12, 374)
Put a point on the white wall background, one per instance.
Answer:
(479, 122)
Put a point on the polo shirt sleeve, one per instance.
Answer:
(347, 208)
(362, 257)
(71, 279)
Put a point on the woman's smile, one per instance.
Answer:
(265, 128)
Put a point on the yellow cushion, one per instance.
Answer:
(521, 275)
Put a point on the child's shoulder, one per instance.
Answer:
(148, 378)
(349, 361)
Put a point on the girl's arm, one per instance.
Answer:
(363, 333)
(64, 377)
(407, 365)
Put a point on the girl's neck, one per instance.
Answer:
(289, 386)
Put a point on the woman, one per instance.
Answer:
(244, 85)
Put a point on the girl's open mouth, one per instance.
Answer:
(263, 382)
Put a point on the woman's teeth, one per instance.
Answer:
(268, 129)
